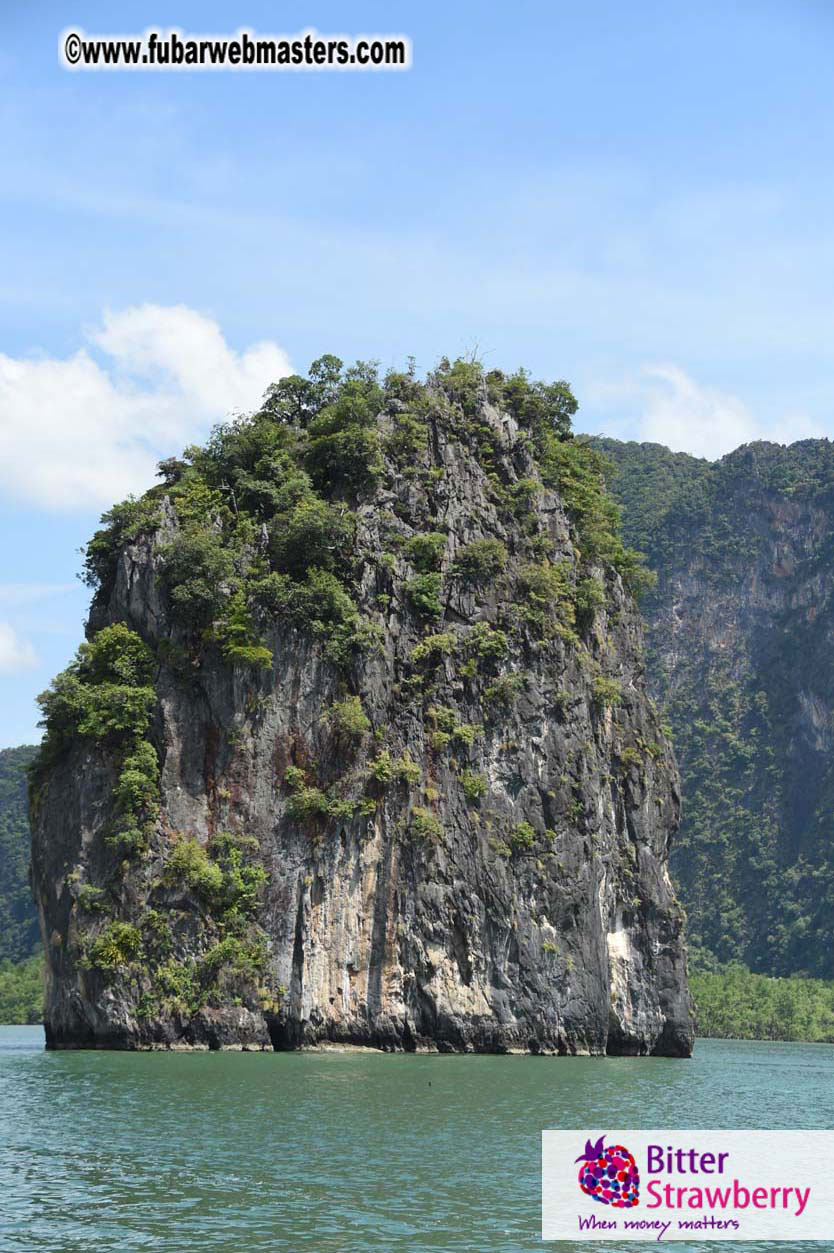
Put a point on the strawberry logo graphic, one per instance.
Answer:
(609, 1175)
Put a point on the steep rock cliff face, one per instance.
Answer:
(433, 814)
(740, 647)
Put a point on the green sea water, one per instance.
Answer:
(347, 1152)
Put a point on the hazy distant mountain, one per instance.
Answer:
(741, 660)
(18, 920)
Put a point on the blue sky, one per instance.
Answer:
(635, 197)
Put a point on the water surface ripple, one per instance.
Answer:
(343, 1152)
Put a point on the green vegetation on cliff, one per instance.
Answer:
(106, 695)
(741, 630)
(265, 514)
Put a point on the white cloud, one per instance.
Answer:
(15, 653)
(669, 407)
(78, 433)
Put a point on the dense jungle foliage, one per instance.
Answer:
(731, 1003)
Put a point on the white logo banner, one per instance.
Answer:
(687, 1185)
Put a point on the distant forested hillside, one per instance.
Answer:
(741, 660)
(734, 1004)
(21, 990)
(18, 922)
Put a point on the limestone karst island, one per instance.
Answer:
(359, 747)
